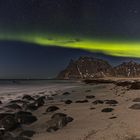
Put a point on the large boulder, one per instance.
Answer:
(28, 97)
(52, 109)
(9, 123)
(25, 117)
(58, 121)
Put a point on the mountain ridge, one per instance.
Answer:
(90, 67)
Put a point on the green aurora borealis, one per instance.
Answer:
(110, 47)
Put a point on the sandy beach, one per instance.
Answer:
(98, 111)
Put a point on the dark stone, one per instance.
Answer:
(68, 102)
(3, 115)
(28, 97)
(31, 106)
(52, 109)
(69, 119)
(13, 106)
(114, 102)
(66, 93)
(92, 108)
(135, 86)
(52, 129)
(124, 83)
(58, 121)
(113, 117)
(98, 102)
(9, 123)
(50, 98)
(90, 96)
(135, 107)
(82, 101)
(18, 101)
(25, 117)
(58, 115)
(21, 138)
(8, 136)
(107, 110)
(136, 100)
(27, 133)
(40, 101)
(0, 102)
(88, 91)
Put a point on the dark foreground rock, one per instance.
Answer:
(107, 110)
(124, 83)
(135, 86)
(136, 100)
(25, 117)
(82, 101)
(90, 96)
(58, 121)
(13, 106)
(68, 102)
(28, 97)
(98, 102)
(39, 102)
(52, 109)
(27, 133)
(135, 107)
(11, 136)
(9, 123)
(111, 102)
(66, 93)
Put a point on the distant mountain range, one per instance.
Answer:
(90, 68)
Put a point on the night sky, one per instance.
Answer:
(39, 37)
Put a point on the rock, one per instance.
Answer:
(92, 108)
(5, 114)
(8, 136)
(28, 97)
(136, 100)
(58, 121)
(31, 106)
(98, 102)
(13, 106)
(66, 93)
(58, 115)
(135, 107)
(111, 102)
(27, 133)
(69, 119)
(22, 138)
(18, 102)
(40, 101)
(52, 109)
(50, 98)
(107, 110)
(82, 101)
(135, 86)
(25, 117)
(52, 129)
(0, 102)
(113, 117)
(124, 83)
(88, 91)
(90, 96)
(9, 123)
(68, 102)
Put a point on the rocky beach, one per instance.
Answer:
(107, 110)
